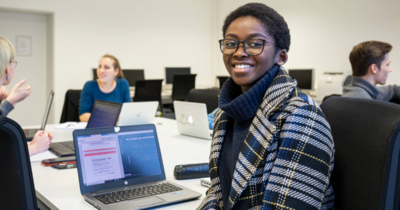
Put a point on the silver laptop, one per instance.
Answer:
(30, 133)
(138, 113)
(122, 168)
(192, 119)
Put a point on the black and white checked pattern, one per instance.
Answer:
(286, 159)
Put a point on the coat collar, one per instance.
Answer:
(371, 89)
(256, 144)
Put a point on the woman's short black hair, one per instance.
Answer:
(273, 22)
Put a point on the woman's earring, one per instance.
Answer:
(6, 77)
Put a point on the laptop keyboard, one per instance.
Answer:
(69, 144)
(134, 193)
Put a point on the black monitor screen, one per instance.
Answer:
(133, 75)
(304, 78)
(170, 72)
(95, 74)
(104, 114)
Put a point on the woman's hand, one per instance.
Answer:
(40, 142)
(3, 93)
(19, 93)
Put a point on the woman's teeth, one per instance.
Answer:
(242, 66)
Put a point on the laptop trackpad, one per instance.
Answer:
(147, 201)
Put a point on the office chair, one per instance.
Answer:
(70, 111)
(17, 189)
(222, 80)
(329, 96)
(367, 143)
(181, 86)
(207, 96)
(148, 90)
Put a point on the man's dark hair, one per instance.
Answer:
(367, 53)
(274, 23)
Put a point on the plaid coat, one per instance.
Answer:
(283, 164)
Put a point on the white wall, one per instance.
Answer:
(33, 68)
(148, 34)
(324, 32)
(154, 34)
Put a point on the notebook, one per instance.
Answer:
(122, 168)
(104, 114)
(192, 119)
(137, 113)
(29, 133)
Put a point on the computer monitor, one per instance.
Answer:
(95, 74)
(304, 77)
(133, 75)
(171, 71)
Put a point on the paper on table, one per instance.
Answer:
(72, 125)
(42, 155)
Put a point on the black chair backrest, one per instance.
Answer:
(148, 90)
(70, 111)
(207, 96)
(17, 190)
(222, 80)
(181, 86)
(367, 144)
(333, 95)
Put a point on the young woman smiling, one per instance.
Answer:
(110, 86)
(272, 147)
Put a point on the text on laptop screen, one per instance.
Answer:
(118, 156)
(103, 115)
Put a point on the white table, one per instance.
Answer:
(59, 189)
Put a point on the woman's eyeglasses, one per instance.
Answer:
(250, 46)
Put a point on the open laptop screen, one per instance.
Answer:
(104, 114)
(47, 110)
(119, 156)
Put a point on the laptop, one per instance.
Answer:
(138, 113)
(104, 114)
(30, 133)
(192, 119)
(122, 168)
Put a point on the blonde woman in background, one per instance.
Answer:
(41, 141)
(110, 86)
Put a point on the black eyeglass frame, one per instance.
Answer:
(244, 48)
